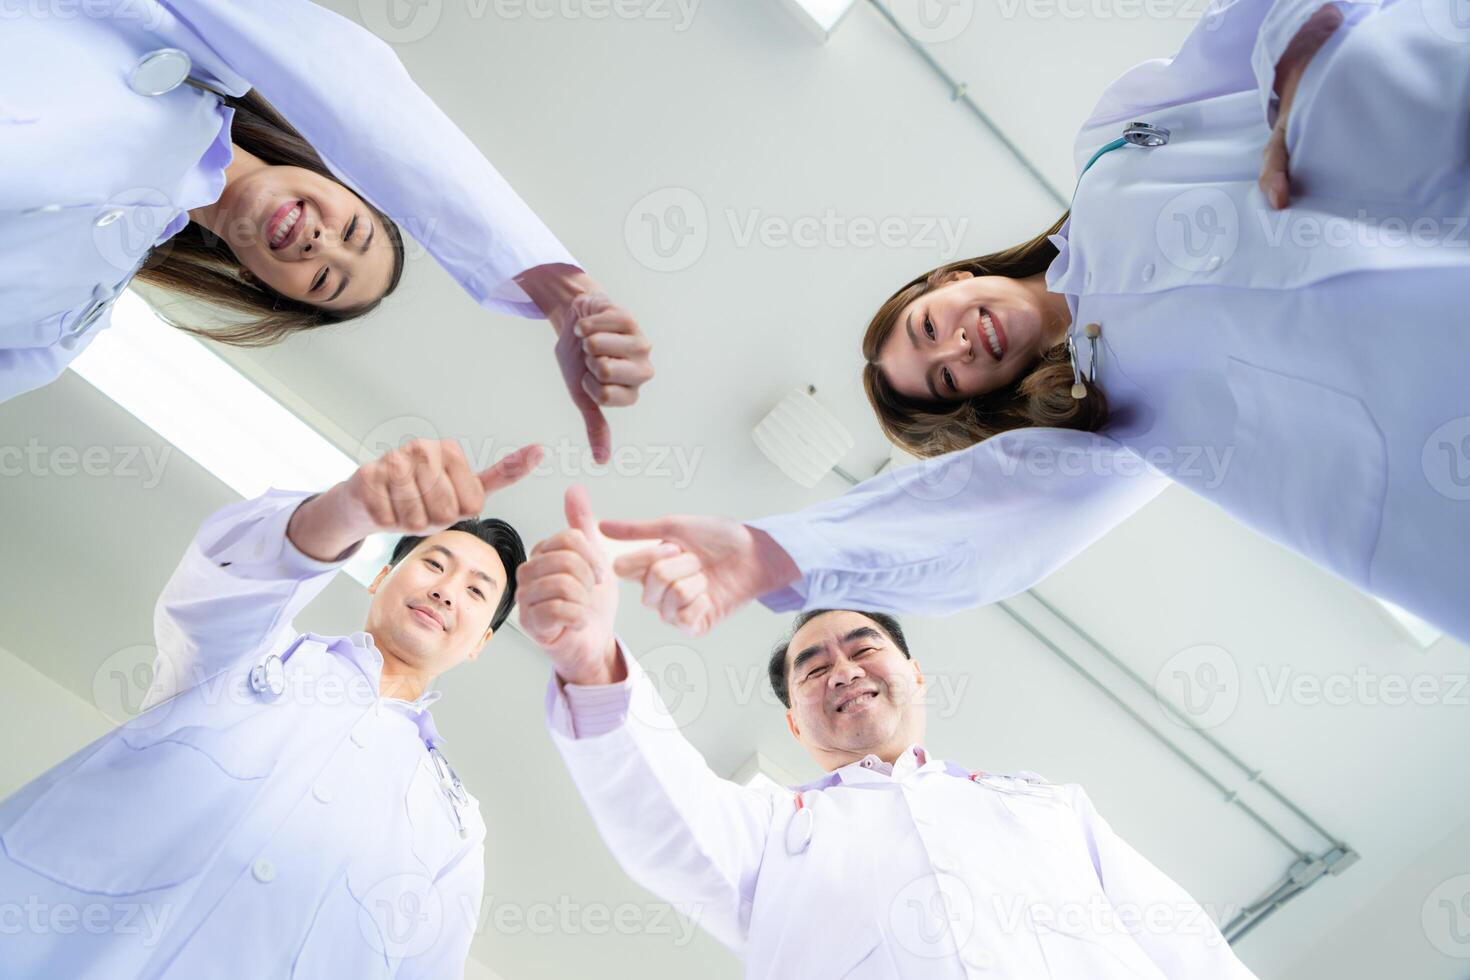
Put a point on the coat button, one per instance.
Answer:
(160, 71)
(977, 958)
(108, 217)
(264, 871)
(1214, 263)
(322, 794)
(43, 209)
(1148, 272)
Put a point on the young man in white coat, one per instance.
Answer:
(896, 864)
(282, 808)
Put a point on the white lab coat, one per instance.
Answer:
(1302, 369)
(924, 875)
(96, 174)
(223, 833)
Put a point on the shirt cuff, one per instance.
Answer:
(260, 549)
(579, 711)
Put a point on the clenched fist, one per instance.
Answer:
(419, 488)
(568, 596)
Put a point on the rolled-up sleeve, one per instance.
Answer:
(1282, 23)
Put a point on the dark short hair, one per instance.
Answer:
(777, 666)
(498, 535)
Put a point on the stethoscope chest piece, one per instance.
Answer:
(1143, 134)
(799, 830)
(269, 677)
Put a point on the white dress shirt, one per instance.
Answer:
(225, 832)
(920, 870)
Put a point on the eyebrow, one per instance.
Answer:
(928, 378)
(372, 230)
(455, 558)
(862, 632)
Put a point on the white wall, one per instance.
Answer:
(43, 720)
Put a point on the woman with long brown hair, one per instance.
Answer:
(258, 158)
(1294, 352)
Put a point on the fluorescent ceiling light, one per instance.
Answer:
(821, 17)
(189, 395)
(1421, 632)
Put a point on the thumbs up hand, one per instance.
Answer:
(568, 596)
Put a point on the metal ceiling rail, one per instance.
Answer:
(960, 92)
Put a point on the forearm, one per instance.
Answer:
(553, 287)
(327, 526)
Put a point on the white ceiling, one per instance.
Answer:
(587, 118)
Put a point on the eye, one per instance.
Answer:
(864, 650)
(434, 565)
(928, 326)
(320, 281)
(476, 590)
(351, 227)
(815, 671)
(949, 380)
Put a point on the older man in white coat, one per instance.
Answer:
(896, 864)
(283, 807)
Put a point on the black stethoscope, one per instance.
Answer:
(1134, 134)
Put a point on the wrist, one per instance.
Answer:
(553, 287)
(321, 529)
(600, 670)
(775, 568)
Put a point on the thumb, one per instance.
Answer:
(512, 468)
(599, 433)
(579, 513)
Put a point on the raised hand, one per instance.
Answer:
(704, 568)
(601, 351)
(568, 597)
(418, 488)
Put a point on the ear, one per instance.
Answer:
(791, 724)
(918, 673)
(475, 653)
(373, 589)
(954, 275)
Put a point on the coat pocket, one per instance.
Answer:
(136, 815)
(1310, 468)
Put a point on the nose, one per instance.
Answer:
(312, 241)
(845, 673)
(438, 596)
(960, 344)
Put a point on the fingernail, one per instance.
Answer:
(577, 329)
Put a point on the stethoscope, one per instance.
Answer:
(1134, 134)
(799, 828)
(268, 679)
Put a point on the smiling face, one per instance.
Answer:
(307, 237)
(433, 610)
(968, 337)
(853, 692)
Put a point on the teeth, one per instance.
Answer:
(286, 226)
(990, 336)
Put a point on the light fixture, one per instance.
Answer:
(820, 17)
(802, 438)
(213, 414)
(1419, 631)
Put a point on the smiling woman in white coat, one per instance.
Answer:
(139, 143)
(1303, 367)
